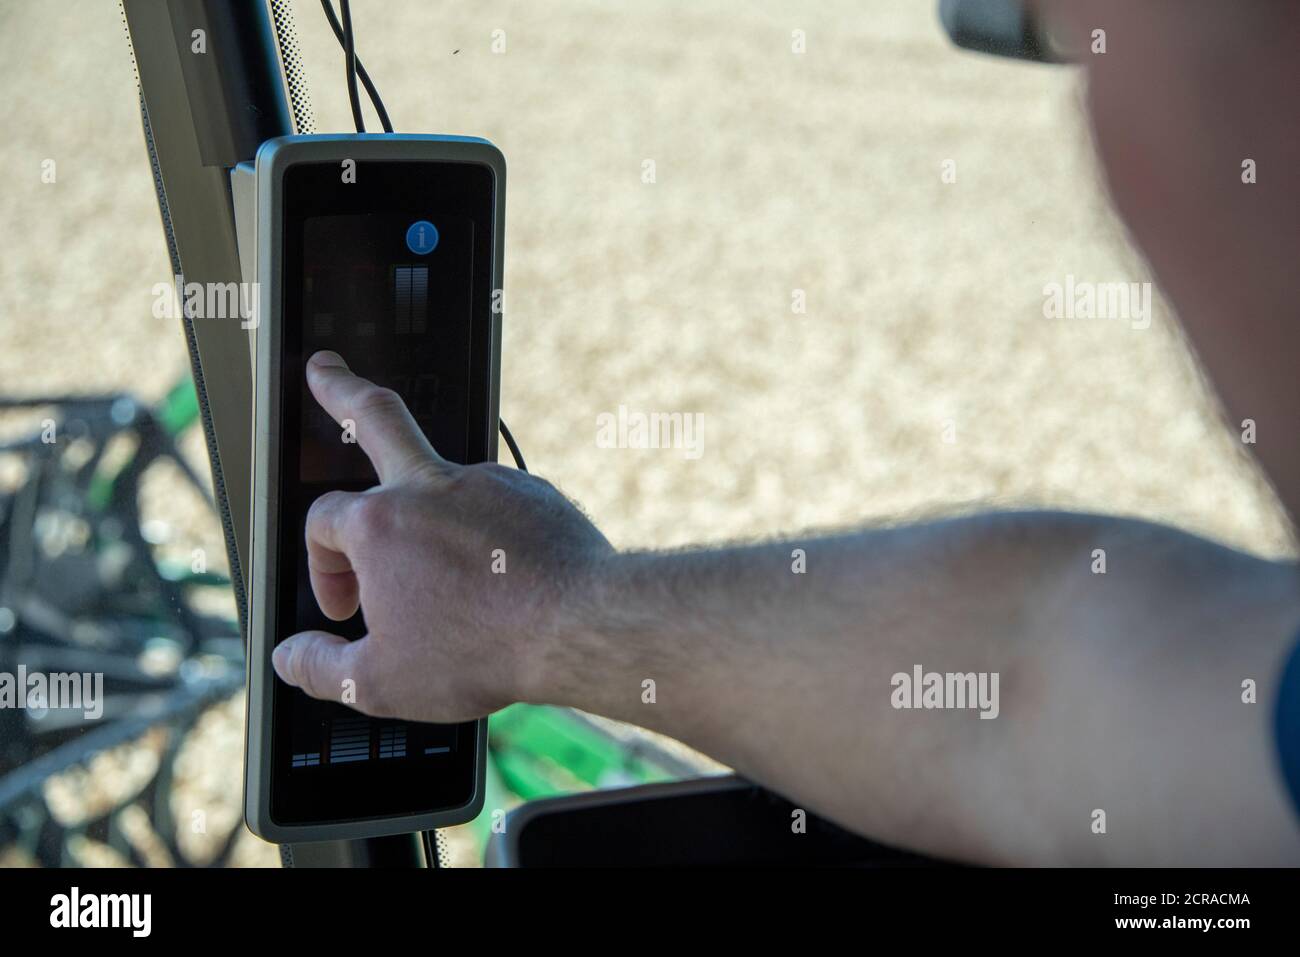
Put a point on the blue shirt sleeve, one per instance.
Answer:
(1287, 724)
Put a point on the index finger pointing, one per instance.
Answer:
(385, 428)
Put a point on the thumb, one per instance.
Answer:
(318, 662)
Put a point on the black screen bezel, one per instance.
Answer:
(422, 189)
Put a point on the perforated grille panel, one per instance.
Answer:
(295, 76)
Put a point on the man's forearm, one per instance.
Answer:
(780, 659)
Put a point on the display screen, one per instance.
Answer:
(393, 272)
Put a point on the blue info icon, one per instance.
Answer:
(422, 237)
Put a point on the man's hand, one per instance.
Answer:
(464, 573)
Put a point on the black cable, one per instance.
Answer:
(514, 447)
(350, 65)
(343, 33)
(371, 91)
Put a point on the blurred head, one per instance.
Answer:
(1186, 93)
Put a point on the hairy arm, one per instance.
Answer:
(1118, 692)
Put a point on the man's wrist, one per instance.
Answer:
(637, 646)
(574, 654)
